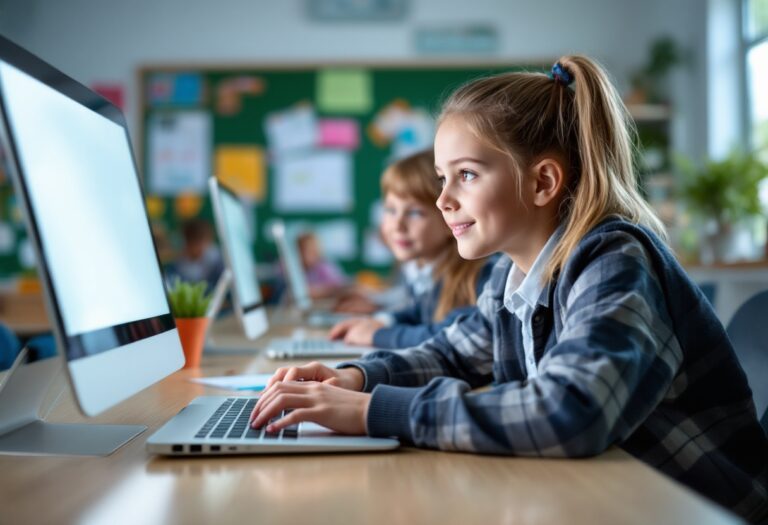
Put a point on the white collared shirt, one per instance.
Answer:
(522, 294)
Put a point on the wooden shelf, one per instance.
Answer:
(649, 112)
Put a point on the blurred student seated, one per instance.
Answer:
(200, 258)
(324, 277)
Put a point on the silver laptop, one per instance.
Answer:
(233, 226)
(219, 425)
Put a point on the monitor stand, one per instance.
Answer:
(217, 300)
(23, 432)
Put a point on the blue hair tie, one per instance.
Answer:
(561, 75)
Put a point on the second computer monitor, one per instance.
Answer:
(288, 249)
(233, 228)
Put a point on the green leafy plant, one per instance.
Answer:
(664, 54)
(726, 190)
(188, 299)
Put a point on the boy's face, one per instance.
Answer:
(412, 230)
(480, 200)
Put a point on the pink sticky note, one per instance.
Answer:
(339, 133)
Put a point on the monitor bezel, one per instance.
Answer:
(156, 336)
(252, 317)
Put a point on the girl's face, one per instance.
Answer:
(412, 230)
(480, 200)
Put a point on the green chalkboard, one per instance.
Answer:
(238, 101)
(419, 89)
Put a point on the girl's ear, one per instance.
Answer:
(549, 177)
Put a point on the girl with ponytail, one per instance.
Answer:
(589, 330)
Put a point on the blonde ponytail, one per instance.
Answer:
(607, 184)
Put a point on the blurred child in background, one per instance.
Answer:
(200, 258)
(442, 285)
(324, 277)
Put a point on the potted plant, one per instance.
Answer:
(664, 55)
(189, 304)
(723, 194)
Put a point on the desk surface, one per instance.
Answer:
(404, 486)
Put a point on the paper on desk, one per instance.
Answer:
(238, 382)
(253, 382)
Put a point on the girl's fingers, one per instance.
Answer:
(277, 376)
(278, 404)
(296, 416)
(267, 396)
(313, 371)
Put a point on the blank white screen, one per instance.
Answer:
(86, 197)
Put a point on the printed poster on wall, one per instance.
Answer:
(179, 145)
(318, 182)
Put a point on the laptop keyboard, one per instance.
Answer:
(230, 421)
(310, 346)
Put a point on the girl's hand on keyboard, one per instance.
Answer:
(349, 378)
(330, 406)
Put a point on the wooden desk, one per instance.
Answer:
(404, 486)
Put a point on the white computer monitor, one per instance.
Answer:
(288, 249)
(234, 231)
(69, 155)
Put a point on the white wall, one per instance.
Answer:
(107, 40)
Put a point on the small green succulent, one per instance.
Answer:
(188, 299)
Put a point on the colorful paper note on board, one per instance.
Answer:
(179, 152)
(187, 205)
(179, 89)
(338, 238)
(155, 207)
(242, 169)
(339, 133)
(229, 92)
(292, 130)
(320, 182)
(344, 91)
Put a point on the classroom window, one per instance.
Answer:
(756, 57)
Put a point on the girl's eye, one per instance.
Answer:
(415, 213)
(441, 179)
(468, 175)
(389, 210)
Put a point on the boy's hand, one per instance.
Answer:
(361, 333)
(327, 405)
(357, 332)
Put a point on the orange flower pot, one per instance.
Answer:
(192, 335)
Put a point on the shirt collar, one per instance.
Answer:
(526, 290)
(422, 279)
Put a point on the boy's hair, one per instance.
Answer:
(414, 177)
(526, 115)
(196, 230)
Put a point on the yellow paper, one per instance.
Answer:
(155, 207)
(344, 91)
(187, 205)
(242, 169)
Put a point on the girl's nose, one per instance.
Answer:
(446, 201)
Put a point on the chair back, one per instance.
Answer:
(748, 331)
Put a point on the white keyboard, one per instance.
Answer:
(310, 348)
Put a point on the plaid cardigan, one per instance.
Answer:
(629, 352)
